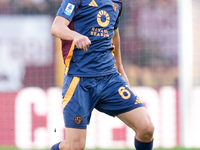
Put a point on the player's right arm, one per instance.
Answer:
(61, 30)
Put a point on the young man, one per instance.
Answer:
(94, 77)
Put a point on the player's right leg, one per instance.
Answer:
(76, 114)
(75, 139)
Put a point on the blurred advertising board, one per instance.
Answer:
(32, 118)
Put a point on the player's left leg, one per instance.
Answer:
(117, 99)
(139, 120)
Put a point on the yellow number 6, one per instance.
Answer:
(122, 90)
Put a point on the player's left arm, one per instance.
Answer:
(117, 55)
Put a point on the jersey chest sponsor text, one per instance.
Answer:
(104, 18)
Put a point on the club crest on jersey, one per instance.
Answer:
(78, 119)
(69, 9)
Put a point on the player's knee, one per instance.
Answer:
(146, 132)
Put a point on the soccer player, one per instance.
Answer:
(94, 76)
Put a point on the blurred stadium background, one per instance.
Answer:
(161, 55)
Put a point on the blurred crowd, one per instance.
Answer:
(149, 41)
(150, 33)
(148, 30)
(29, 6)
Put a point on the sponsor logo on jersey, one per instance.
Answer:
(99, 32)
(93, 3)
(103, 18)
(69, 9)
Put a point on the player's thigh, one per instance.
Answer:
(75, 139)
(138, 119)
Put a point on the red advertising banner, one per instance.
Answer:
(7, 118)
(32, 118)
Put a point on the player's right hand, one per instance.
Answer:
(82, 42)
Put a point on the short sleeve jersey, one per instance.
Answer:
(96, 19)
